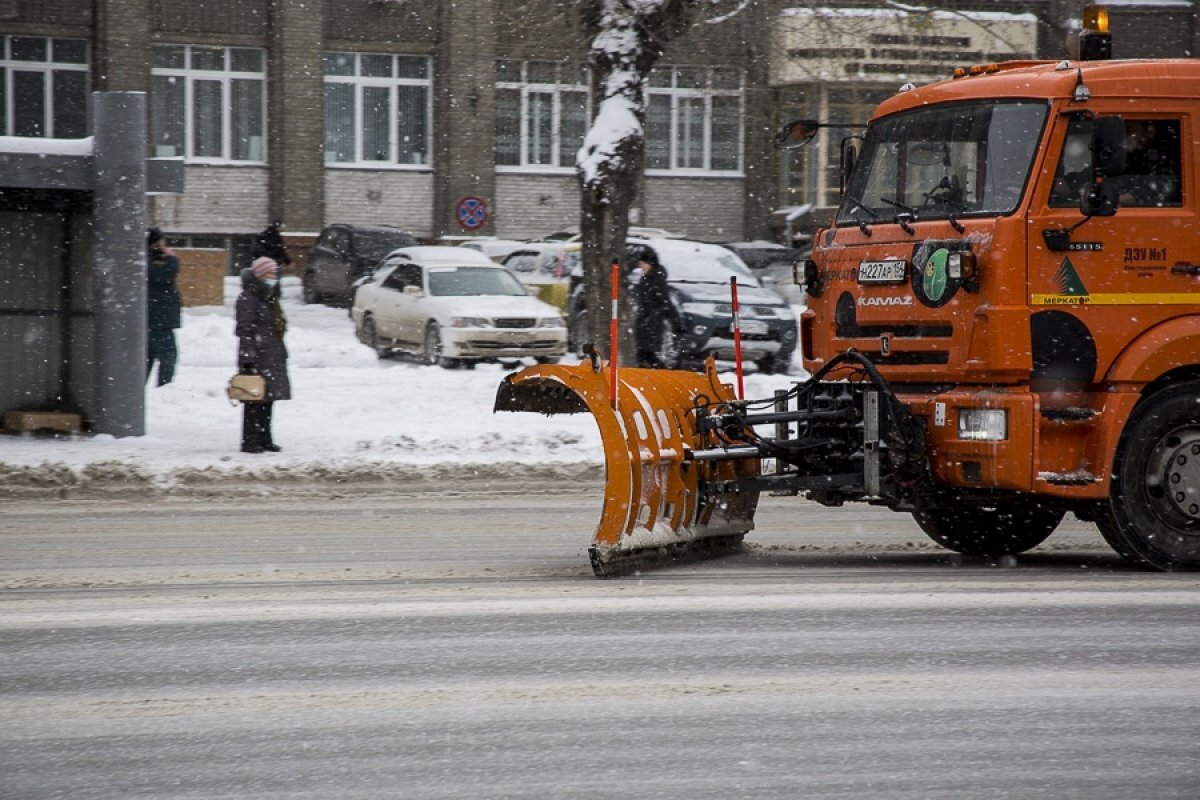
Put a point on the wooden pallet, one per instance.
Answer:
(30, 421)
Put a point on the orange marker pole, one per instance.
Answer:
(737, 338)
(613, 332)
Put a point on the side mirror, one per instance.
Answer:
(1102, 199)
(1108, 146)
(849, 159)
(796, 133)
(413, 290)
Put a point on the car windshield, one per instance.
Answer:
(952, 160)
(461, 281)
(705, 268)
(374, 245)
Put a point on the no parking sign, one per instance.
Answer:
(471, 212)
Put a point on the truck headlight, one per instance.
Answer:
(983, 424)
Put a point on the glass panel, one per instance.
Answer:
(377, 123)
(169, 57)
(689, 134)
(246, 60)
(413, 116)
(540, 72)
(70, 51)
(338, 63)
(658, 131)
(208, 58)
(166, 116)
(339, 123)
(375, 66)
(726, 132)
(70, 104)
(726, 78)
(29, 103)
(540, 132)
(690, 77)
(572, 125)
(577, 74)
(29, 48)
(508, 127)
(4, 102)
(412, 67)
(1152, 168)
(206, 119)
(247, 113)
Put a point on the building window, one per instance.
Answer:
(541, 114)
(694, 120)
(377, 109)
(43, 87)
(209, 104)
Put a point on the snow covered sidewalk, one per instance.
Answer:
(354, 419)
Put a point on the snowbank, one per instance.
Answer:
(354, 419)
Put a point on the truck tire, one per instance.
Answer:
(1152, 516)
(1007, 528)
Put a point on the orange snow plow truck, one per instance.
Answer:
(1003, 326)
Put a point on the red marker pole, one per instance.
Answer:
(613, 332)
(737, 338)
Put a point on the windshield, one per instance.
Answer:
(460, 281)
(950, 160)
(374, 245)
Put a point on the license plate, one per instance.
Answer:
(890, 271)
(754, 327)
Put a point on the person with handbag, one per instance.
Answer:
(260, 329)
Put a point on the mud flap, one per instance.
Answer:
(655, 505)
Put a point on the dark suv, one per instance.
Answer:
(698, 276)
(343, 254)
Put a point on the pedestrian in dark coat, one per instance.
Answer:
(260, 329)
(162, 307)
(654, 309)
(269, 243)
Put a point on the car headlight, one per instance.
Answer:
(552, 322)
(699, 309)
(470, 322)
(983, 424)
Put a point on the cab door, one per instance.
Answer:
(1094, 289)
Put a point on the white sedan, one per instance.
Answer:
(450, 305)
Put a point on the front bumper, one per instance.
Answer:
(714, 335)
(504, 343)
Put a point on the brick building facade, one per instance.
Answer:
(320, 111)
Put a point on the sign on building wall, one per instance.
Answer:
(883, 44)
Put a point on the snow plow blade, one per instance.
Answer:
(656, 504)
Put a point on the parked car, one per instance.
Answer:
(773, 265)
(698, 275)
(547, 267)
(495, 249)
(452, 306)
(344, 253)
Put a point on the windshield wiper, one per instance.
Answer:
(856, 206)
(897, 204)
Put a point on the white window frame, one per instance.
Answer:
(675, 94)
(47, 68)
(360, 83)
(557, 89)
(225, 77)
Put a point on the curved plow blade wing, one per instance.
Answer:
(655, 499)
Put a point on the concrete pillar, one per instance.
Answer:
(296, 114)
(465, 112)
(119, 261)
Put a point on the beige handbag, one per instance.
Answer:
(246, 388)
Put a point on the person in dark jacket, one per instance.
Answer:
(654, 309)
(260, 329)
(269, 243)
(162, 307)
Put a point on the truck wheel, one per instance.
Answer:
(1009, 527)
(1152, 516)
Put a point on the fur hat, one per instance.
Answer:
(264, 267)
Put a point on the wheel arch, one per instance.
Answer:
(1166, 353)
